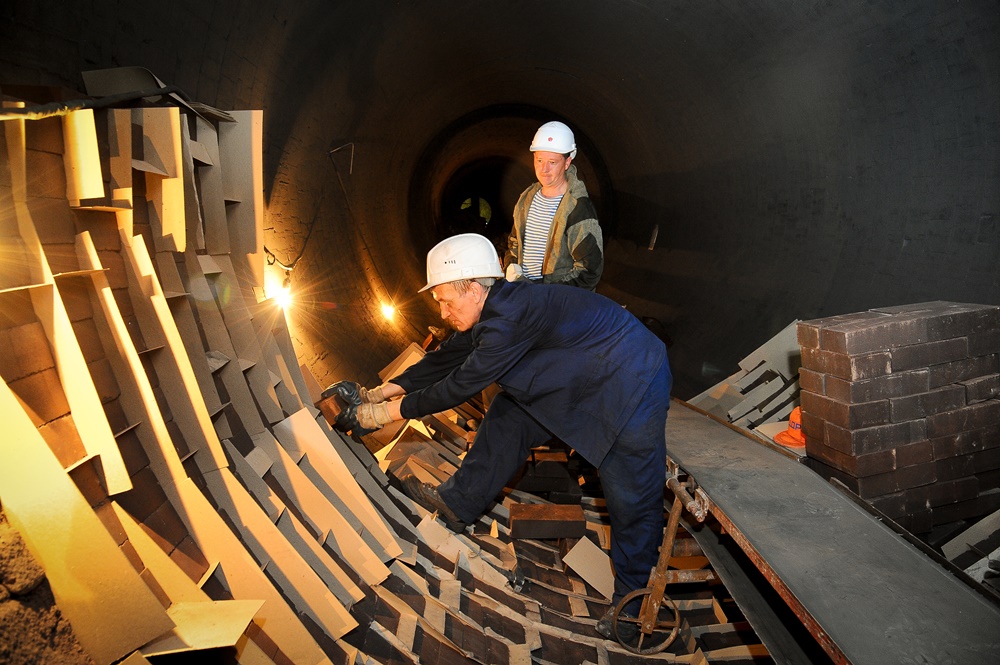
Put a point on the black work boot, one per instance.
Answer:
(427, 496)
(627, 630)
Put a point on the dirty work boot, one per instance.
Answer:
(627, 630)
(427, 496)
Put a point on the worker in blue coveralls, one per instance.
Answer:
(571, 364)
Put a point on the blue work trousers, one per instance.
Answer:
(633, 476)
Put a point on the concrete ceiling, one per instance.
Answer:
(797, 159)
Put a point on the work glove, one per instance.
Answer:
(373, 416)
(348, 390)
(347, 421)
(514, 272)
(373, 396)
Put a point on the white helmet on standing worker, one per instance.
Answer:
(554, 137)
(465, 256)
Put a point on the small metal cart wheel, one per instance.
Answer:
(648, 641)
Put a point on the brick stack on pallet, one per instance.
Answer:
(901, 405)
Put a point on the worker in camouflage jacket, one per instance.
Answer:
(556, 238)
(571, 364)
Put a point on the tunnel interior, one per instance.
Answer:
(751, 164)
(794, 163)
(793, 160)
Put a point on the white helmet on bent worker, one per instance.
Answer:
(554, 137)
(465, 256)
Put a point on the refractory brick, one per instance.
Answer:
(984, 343)
(952, 491)
(981, 388)
(812, 382)
(967, 441)
(852, 368)
(971, 417)
(917, 452)
(843, 414)
(874, 439)
(963, 370)
(874, 334)
(883, 387)
(859, 466)
(916, 475)
(961, 319)
(809, 332)
(926, 404)
(914, 356)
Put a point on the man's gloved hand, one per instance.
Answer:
(349, 391)
(373, 416)
(373, 396)
(514, 272)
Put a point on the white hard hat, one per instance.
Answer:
(465, 256)
(554, 137)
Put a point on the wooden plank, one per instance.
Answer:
(54, 519)
(187, 327)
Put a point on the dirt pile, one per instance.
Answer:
(32, 629)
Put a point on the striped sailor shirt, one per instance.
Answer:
(536, 233)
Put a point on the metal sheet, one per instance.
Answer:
(866, 594)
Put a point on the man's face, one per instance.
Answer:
(461, 310)
(550, 168)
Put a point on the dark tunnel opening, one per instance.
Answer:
(795, 160)
(479, 198)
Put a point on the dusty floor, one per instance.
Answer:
(32, 629)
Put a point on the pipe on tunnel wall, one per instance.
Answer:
(799, 158)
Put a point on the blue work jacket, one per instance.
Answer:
(576, 361)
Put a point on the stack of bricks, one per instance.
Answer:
(902, 405)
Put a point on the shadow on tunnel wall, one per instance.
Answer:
(800, 159)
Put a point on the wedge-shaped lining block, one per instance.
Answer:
(546, 521)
